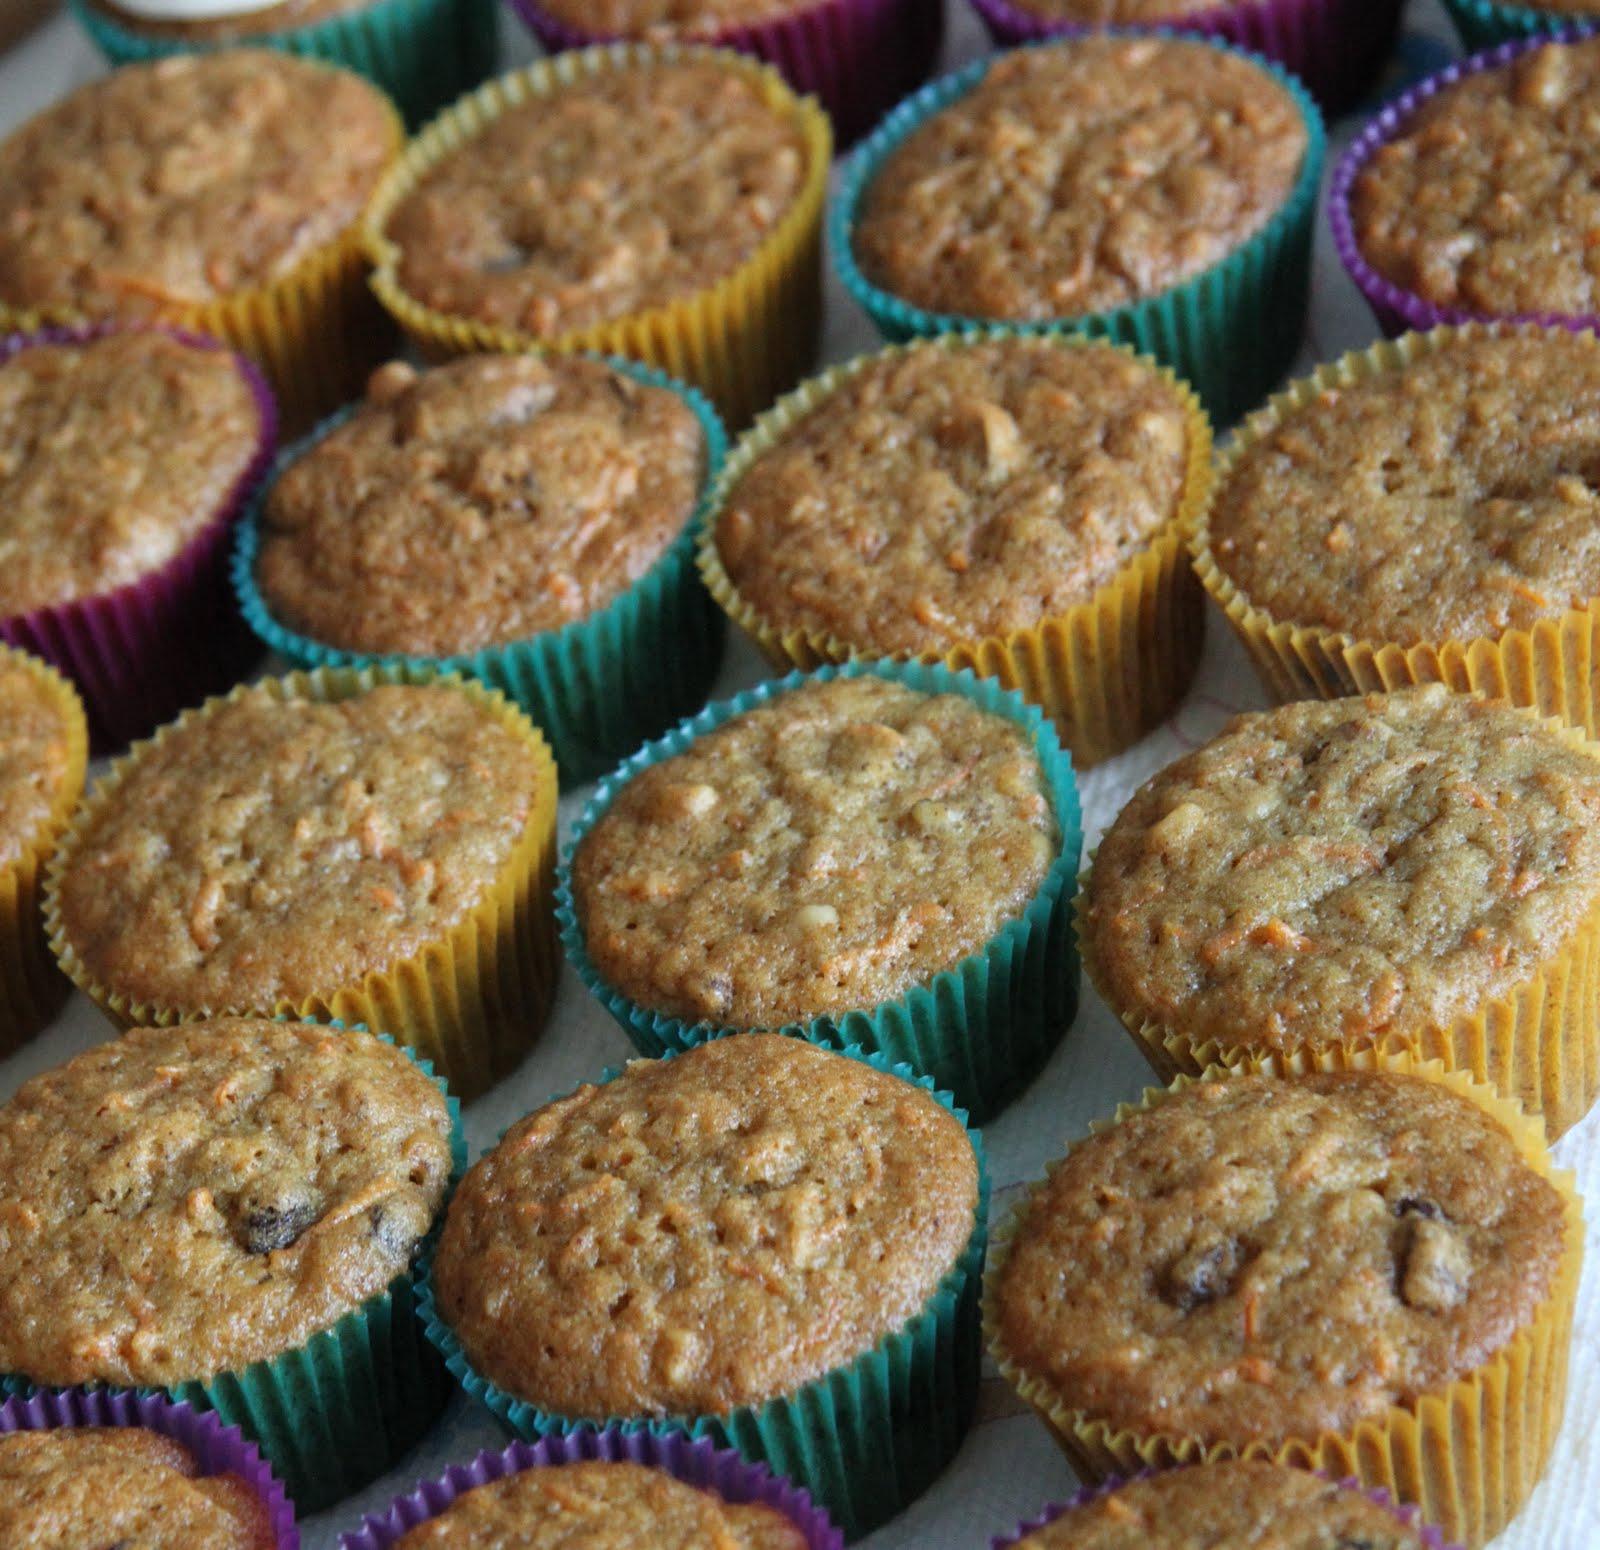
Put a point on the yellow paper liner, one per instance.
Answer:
(1468, 1456)
(1553, 667)
(1538, 1043)
(471, 1002)
(32, 988)
(317, 331)
(742, 340)
(1106, 671)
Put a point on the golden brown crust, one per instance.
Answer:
(1271, 1258)
(479, 503)
(949, 494)
(185, 1201)
(114, 454)
(36, 757)
(1081, 176)
(705, 1232)
(667, 19)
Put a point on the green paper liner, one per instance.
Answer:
(981, 1030)
(423, 53)
(597, 687)
(1232, 331)
(336, 1413)
(865, 1439)
(1482, 24)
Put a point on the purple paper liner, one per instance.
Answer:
(1432, 1537)
(1337, 48)
(857, 57)
(1397, 310)
(218, 1449)
(145, 651)
(719, 1470)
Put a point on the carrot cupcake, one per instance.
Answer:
(1367, 1272)
(738, 1306)
(1416, 871)
(261, 1190)
(226, 192)
(331, 845)
(521, 518)
(658, 203)
(995, 501)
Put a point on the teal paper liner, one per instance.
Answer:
(424, 53)
(981, 1030)
(865, 1439)
(1232, 331)
(598, 687)
(336, 1413)
(1481, 24)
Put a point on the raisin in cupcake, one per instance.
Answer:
(1370, 1273)
(521, 518)
(801, 1285)
(331, 844)
(997, 501)
(258, 1192)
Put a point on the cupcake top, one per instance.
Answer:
(121, 1485)
(1268, 1258)
(478, 503)
(1081, 176)
(1241, 1505)
(115, 453)
(1485, 199)
(146, 18)
(827, 850)
(616, 192)
(667, 18)
(268, 849)
(185, 1201)
(953, 493)
(186, 179)
(1333, 872)
(600, 1506)
(40, 753)
(1447, 498)
(704, 1233)
(1114, 13)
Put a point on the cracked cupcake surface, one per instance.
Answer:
(827, 850)
(185, 1201)
(1267, 1258)
(704, 1233)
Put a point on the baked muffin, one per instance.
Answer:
(706, 1236)
(83, 1488)
(600, 1503)
(1481, 201)
(1327, 878)
(955, 499)
(1274, 1263)
(1243, 1505)
(327, 845)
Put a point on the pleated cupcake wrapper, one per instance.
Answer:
(742, 340)
(857, 57)
(1336, 48)
(1553, 667)
(32, 989)
(316, 331)
(132, 652)
(1482, 24)
(1232, 331)
(217, 1449)
(1105, 672)
(983, 1029)
(1430, 1536)
(335, 1413)
(1468, 1455)
(1396, 309)
(865, 1439)
(423, 53)
(696, 1463)
(473, 1001)
(597, 687)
